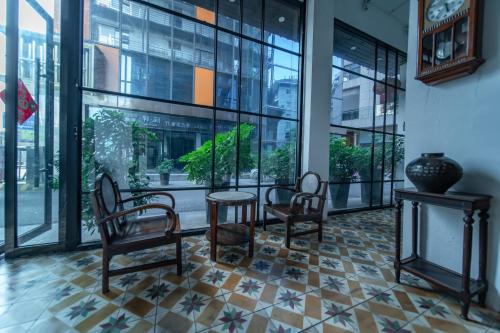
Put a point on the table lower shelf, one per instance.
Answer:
(230, 234)
(440, 276)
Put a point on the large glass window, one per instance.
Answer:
(3, 41)
(366, 120)
(190, 106)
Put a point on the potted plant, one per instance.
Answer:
(104, 149)
(164, 169)
(364, 163)
(279, 165)
(198, 163)
(342, 170)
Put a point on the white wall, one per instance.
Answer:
(462, 119)
(373, 21)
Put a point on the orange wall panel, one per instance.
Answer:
(205, 15)
(203, 86)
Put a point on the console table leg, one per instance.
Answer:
(397, 259)
(466, 260)
(414, 229)
(483, 248)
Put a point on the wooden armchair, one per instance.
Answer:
(121, 233)
(306, 204)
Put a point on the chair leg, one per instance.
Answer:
(320, 230)
(178, 255)
(287, 234)
(264, 221)
(105, 274)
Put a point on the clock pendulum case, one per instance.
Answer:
(449, 39)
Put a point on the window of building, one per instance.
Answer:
(366, 132)
(218, 96)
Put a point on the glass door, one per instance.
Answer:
(37, 204)
(3, 39)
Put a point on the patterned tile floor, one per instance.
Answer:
(344, 284)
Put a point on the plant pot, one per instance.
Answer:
(164, 178)
(339, 193)
(433, 172)
(282, 196)
(221, 210)
(376, 192)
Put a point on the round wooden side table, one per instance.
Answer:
(231, 233)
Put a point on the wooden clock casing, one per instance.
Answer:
(449, 48)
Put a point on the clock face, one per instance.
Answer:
(439, 10)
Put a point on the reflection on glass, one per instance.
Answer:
(461, 34)
(427, 51)
(252, 18)
(391, 67)
(249, 150)
(443, 46)
(131, 138)
(279, 141)
(282, 24)
(367, 106)
(229, 14)
(352, 100)
(401, 79)
(37, 158)
(141, 51)
(281, 83)
(353, 52)
(202, 10)
(2, 131)
(400, 112)
(135, 49)
(250, 77)
(226, 139)
(381, 63)
(228, 63)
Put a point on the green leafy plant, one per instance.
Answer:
(165, 166)
(364, 158)
(343, 159)
(279, 163)
(119, 147)
(198, 163)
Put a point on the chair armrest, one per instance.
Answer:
(304, 196)
(150, 194)
(275, 187)
(168, 210)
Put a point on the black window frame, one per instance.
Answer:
(261, 115)
(373, 131)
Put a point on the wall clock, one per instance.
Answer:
(449, 39)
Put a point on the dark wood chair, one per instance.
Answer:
(122, 233)
(307, 204)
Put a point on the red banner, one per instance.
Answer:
(26, 105)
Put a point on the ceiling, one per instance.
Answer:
(398, 9)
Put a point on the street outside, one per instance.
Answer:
(190, 204)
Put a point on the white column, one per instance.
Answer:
(317, 86)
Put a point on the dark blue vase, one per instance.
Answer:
(433, 172)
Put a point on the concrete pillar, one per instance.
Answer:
(317, 86)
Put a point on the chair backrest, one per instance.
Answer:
(106, 200)
(311, 182)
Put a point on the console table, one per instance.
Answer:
(231, 233)
(459, 285)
